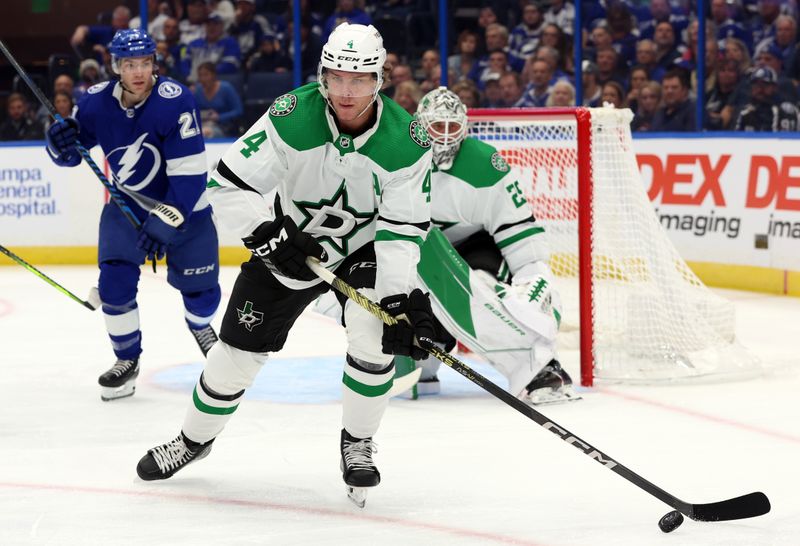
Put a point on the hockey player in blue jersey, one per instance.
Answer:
(150, 132)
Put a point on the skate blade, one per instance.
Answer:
(549, 396)
(358, 495)
(113, 393)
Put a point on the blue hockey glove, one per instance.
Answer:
(284, 248)
(62, 136)
(158, 230)
(398, 339)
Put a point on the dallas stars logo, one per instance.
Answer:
(334, 219)
(283, 105)
(248, 317)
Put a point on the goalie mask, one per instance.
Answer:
(444, 116)
(352, 48)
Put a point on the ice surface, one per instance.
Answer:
(460, 468)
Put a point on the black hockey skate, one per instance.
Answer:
(358, 469)
(120, 380)
(205, 337)
(551, 385)
(163, 461)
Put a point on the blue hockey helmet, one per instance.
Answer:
(132, 42)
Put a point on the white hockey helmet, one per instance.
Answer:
(353, 48)
(444, 116)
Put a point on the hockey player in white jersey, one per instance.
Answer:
(352, 174)
(495, 292)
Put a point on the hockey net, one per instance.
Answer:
(632, 305)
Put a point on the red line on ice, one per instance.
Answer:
(708, 417)
(274, 506)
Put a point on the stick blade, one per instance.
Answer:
(746, 506)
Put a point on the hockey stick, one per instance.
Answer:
(746, 506)
(94, 298)
(113, 192)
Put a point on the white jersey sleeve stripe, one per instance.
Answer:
(188, 165)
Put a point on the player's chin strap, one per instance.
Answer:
(746, 506)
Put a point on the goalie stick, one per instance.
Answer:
(94, 298)
(746, 506)
(113, 191)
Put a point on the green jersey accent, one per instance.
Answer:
(474, 164)
(392, 146)
(213, 183)
(304, 127)
(519, 236)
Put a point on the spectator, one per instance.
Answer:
(408, 95)
(310, 46)
(157, 13)
(765, 110)
(562, 94)
(269, 58)
(172, 38)
(551, 57)
(225, 10)
(486, 17)
(63, 104)
(526, 35)
(511, 89)
(736, 50)
(496, 40)
(97, 37)
(667, 52)
(492, 93)
(763, 24)
(401, 73)
(784, 39)
(249, 28)
(600, 37)
(562, 14)
(392, 60)
(620, 24)
(216, 48)
(637, 80)
(537, 91)
(661, 12)
(465, 57)
(718, 117)
(591, 89)
(62, 84)
(18, 125)
(607, 66)
(553, 36)
(648, 104)
(721, 12)
(614, 94)
(346, 12)
(194, 26)
(772, 56)
(219, 103)
(430, 59)
(168, 65)
(689, 55)
(712, 58)
(677, 114)
(647, 57)
(467, 93)
(497, 65)
(88, 74)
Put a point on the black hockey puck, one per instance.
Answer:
(670, 521)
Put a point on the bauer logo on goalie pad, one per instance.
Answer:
(283, 105)
(499, 163)
(249, 317)
(419, 134)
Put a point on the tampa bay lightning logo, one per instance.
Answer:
(136, 164)
(96, 88)
(169, 90)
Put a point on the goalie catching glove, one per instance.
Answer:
(158, 230)
(398, 339)
(284, 248)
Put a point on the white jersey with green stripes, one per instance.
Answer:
(345, 191)
(482, 192)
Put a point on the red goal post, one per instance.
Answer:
(633, 307)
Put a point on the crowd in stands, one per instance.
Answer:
(637, 54)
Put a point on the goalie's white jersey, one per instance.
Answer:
(482, 192)
(344, 191)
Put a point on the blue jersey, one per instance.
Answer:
(155, 148)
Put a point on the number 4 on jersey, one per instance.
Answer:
(253, 142)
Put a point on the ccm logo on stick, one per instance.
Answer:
(589, 450)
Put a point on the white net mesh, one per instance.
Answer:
(653, 319)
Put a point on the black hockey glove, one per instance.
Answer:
(398, 339)
(284, 248)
